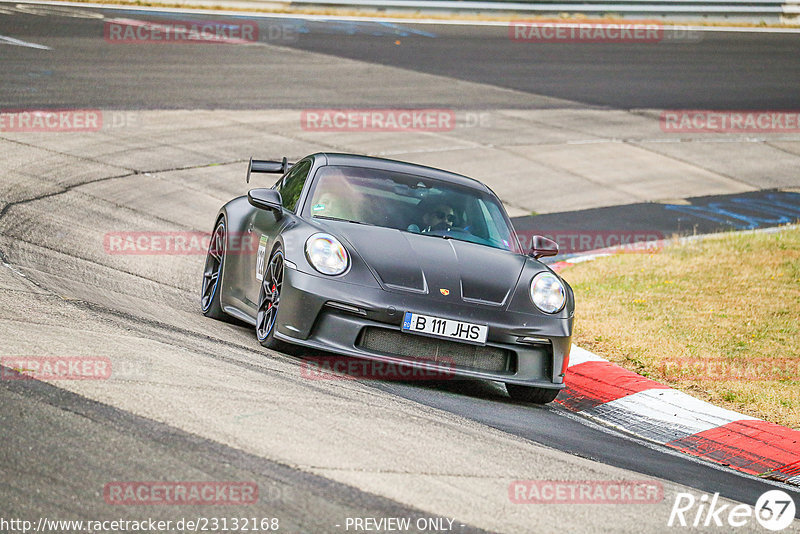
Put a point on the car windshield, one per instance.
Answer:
(410, 203)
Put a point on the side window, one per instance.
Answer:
(292, 184)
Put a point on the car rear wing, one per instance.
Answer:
(262, 165)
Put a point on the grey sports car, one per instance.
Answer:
(393, 262)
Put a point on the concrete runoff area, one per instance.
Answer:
(533, 161)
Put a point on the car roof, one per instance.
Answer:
(370, 162)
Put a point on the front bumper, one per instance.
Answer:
(328, 314)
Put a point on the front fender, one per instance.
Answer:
(293, 240)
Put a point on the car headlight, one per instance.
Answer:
(326, 254)
(548, 293)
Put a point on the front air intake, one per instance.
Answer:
(411, 346)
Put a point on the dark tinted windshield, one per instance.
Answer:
(411, 204)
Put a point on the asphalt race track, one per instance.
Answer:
(713, 70)
(191, 399)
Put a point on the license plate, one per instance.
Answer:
(445, 328)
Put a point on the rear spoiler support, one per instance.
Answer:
(262, 165)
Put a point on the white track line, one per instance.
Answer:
(16, 42)
(397, 20)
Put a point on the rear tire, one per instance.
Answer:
(212, 272)
(531, 394)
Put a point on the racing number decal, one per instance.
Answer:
(260, 259)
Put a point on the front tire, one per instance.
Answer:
(531, 394)
(212, 272)
(269, 298)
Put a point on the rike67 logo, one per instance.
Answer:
(774, 510)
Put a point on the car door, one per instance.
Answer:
(266, 226)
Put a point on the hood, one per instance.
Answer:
(426, 264)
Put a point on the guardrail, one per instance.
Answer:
(738, 10)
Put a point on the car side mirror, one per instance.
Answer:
(542, 246)
(266, 199)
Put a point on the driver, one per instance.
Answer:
(440, 218)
